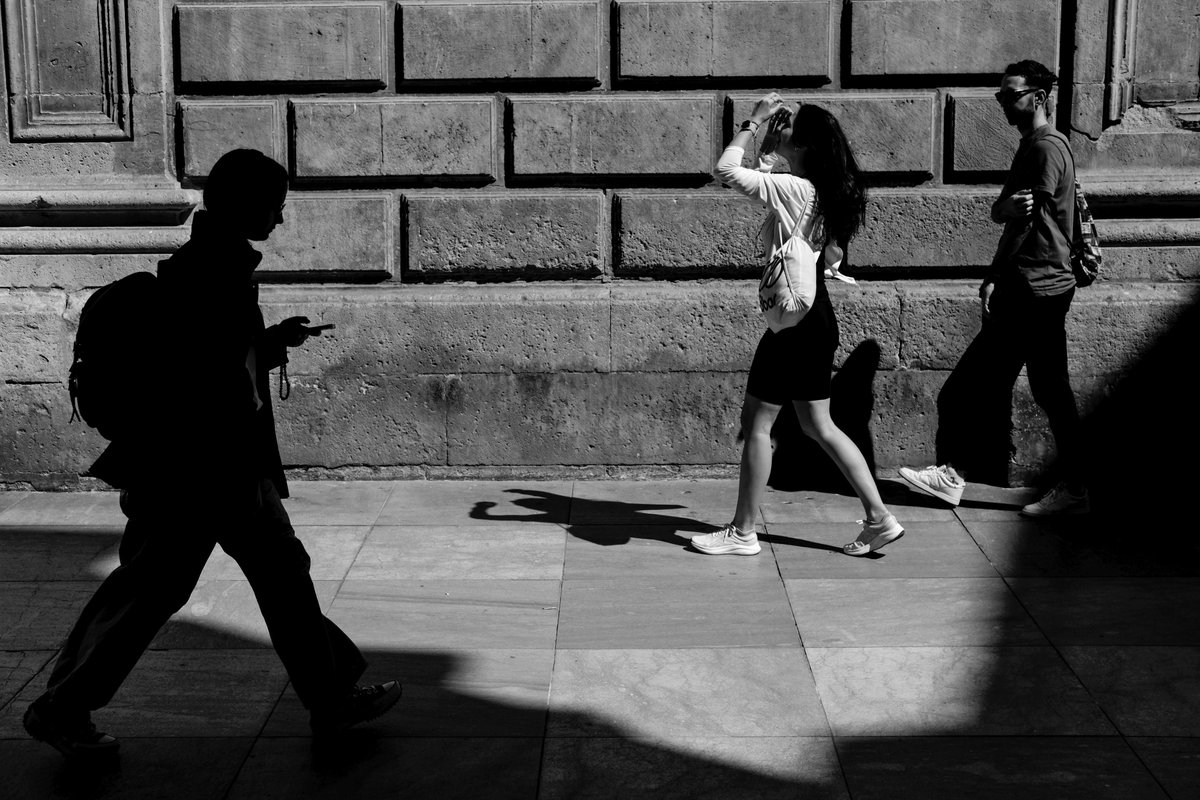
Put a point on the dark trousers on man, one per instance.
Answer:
(162, 555)
(975, 404)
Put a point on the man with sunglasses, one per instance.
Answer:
(1025, 299)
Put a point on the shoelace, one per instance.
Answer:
(366, 691)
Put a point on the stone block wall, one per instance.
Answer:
(508, 211)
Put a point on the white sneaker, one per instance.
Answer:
(937, 481)
(727, 541)
(874, 535)
(1058, 502)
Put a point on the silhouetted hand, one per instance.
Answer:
(294, 331)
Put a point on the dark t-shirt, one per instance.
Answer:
(1037, 249)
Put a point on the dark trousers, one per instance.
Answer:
(975, 404)
(162, 555)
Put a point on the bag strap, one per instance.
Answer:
(1074, 191)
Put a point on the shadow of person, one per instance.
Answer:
(799, 462)
(602, 522)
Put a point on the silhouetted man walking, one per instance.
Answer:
(201, 468)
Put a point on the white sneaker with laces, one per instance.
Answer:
(939, 482)
(874, 535)
(727, 541)
(1059, 502)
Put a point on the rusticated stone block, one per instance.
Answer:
(40, 447)
(211, 129)
(1145, 144)
(706, 234)
(948, 37)
(465, 41)
(716, 326)
(363, 420)
(37, 339)
(518, 233)
(333, 236)
(1151, 263)
(589, 418)
(924, 228)
(904, 418)
(889, 132)
(724, 39)
(407, 330)
(983, 141)
(74, 271)
(287, 42)
(411, 137)
(1111, 326)
(593, 136)
(938, 320)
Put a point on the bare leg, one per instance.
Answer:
(817, 424)
(757, 419)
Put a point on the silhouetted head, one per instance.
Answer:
(818, 150)
(1024, 89)
(245, 193)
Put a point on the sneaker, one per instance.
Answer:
(939, 482)
(874, 535)
(362, 704)
(727, 541)
(71, 734)
(1059, 502)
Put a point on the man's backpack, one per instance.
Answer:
(111, 378)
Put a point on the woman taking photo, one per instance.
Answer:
(821, 195)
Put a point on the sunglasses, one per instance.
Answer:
(1009, 96)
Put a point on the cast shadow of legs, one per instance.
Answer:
(799, 462)
(603, 522)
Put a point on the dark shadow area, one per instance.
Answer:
(799, 462)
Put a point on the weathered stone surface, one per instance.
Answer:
(926, 228)
(943, 37)
(410, 137)
(587, 418)
(983, 141)
(701, 234)
(594, 136)
(1168, 53)
(367, 420)
(904, 419)
(1112, 326)
(288, 42)
(74, 271)
(1151, 263)
(724, 39)
(39, 446)
(1147, 138)
(889, 132)
(410, 330)
(35, 240)
(716, 326)
(514, 233)
(464, 41)
(211, 129)
(36, 335)
(96, 207)
(330, 236)
(938, 320)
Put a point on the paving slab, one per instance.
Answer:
(1146, 691)
(1032, 768)
(225, 615)
(697, 506)
(370, 766)
(449, 693)
(57, 553)
(38, 615)
(910, 612)
(675, 612)
(815, 506)
(1120, 611)
(67, 509)
(653, 551)
(182, 768)
(1175, 762)
(702, 768)
(927, 550)
(662, 695)
(448, 614)
(17, 670)
(977, 691)
(10, 499)
(502, 551)
(336, 502)
(477, 502)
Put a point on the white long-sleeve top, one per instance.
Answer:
(787, 197)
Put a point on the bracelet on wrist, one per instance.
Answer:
(746, 126)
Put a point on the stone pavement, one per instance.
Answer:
(557, 640)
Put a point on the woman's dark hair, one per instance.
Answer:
(829, 163)
(243, 182)
(1036, 75)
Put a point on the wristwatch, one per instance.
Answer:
(746, 126)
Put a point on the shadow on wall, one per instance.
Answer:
(798, 461)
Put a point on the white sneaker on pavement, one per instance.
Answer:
(727, 541)
(940, 482)
(874, 535)
(1059, 502)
